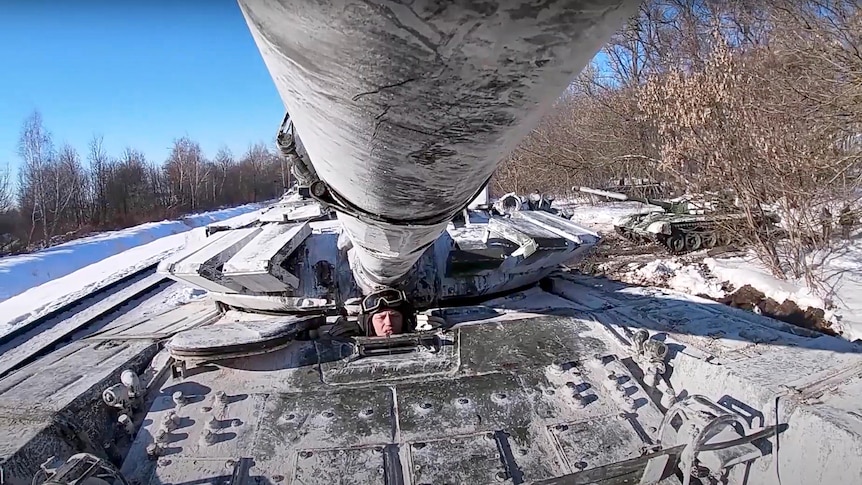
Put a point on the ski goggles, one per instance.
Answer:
(387, 297)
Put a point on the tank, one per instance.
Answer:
(509, 368)
(680, 227)
(516, 370)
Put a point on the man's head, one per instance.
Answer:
(386, 322)
(386, 312)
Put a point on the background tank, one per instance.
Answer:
(680, 227)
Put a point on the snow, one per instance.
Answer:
(256, 257)
(83, 275)
(841, 272)
(696, 274)
(21, 272)
(713, 276)
(679, 276)
(172, 297)
(747, 270)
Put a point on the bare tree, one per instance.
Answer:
(99, 168)
(223, 162)
(187, 169)
(68, 183)
(6, 198)
(763, 100)
(57, 196)
(8, 215)
(128, 188)
(36, 149)
(254, 169)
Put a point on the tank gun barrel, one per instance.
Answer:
(604, 193)
(667, 206)
(405, 111)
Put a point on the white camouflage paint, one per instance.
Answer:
(406, 110)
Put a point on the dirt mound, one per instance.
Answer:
(749, 298)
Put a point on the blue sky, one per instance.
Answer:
(140, 73)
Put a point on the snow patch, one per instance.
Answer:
(713, 277)
(21, 272)
(741, 271)
(183, 295)
(676, 275)
(716, 277)
(841, 272)
(36, 301)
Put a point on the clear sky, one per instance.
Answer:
(140, 73)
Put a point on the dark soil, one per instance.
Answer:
(748, 298)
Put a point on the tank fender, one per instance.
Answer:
(622, 220)
(659, 227)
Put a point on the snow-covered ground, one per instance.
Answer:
(677, 275)
(22, 272)
(715, 276)
(841, 273)
(37, 283)
(46, 280)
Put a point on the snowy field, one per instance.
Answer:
(698, 274)
(37, 283)
(21, 272)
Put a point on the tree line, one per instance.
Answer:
(762, 100)
(61, 194)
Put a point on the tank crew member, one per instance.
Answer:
(847, 220)
(826, 224)
(384, 312)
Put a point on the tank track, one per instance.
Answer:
(688, 237)
(685, 237)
